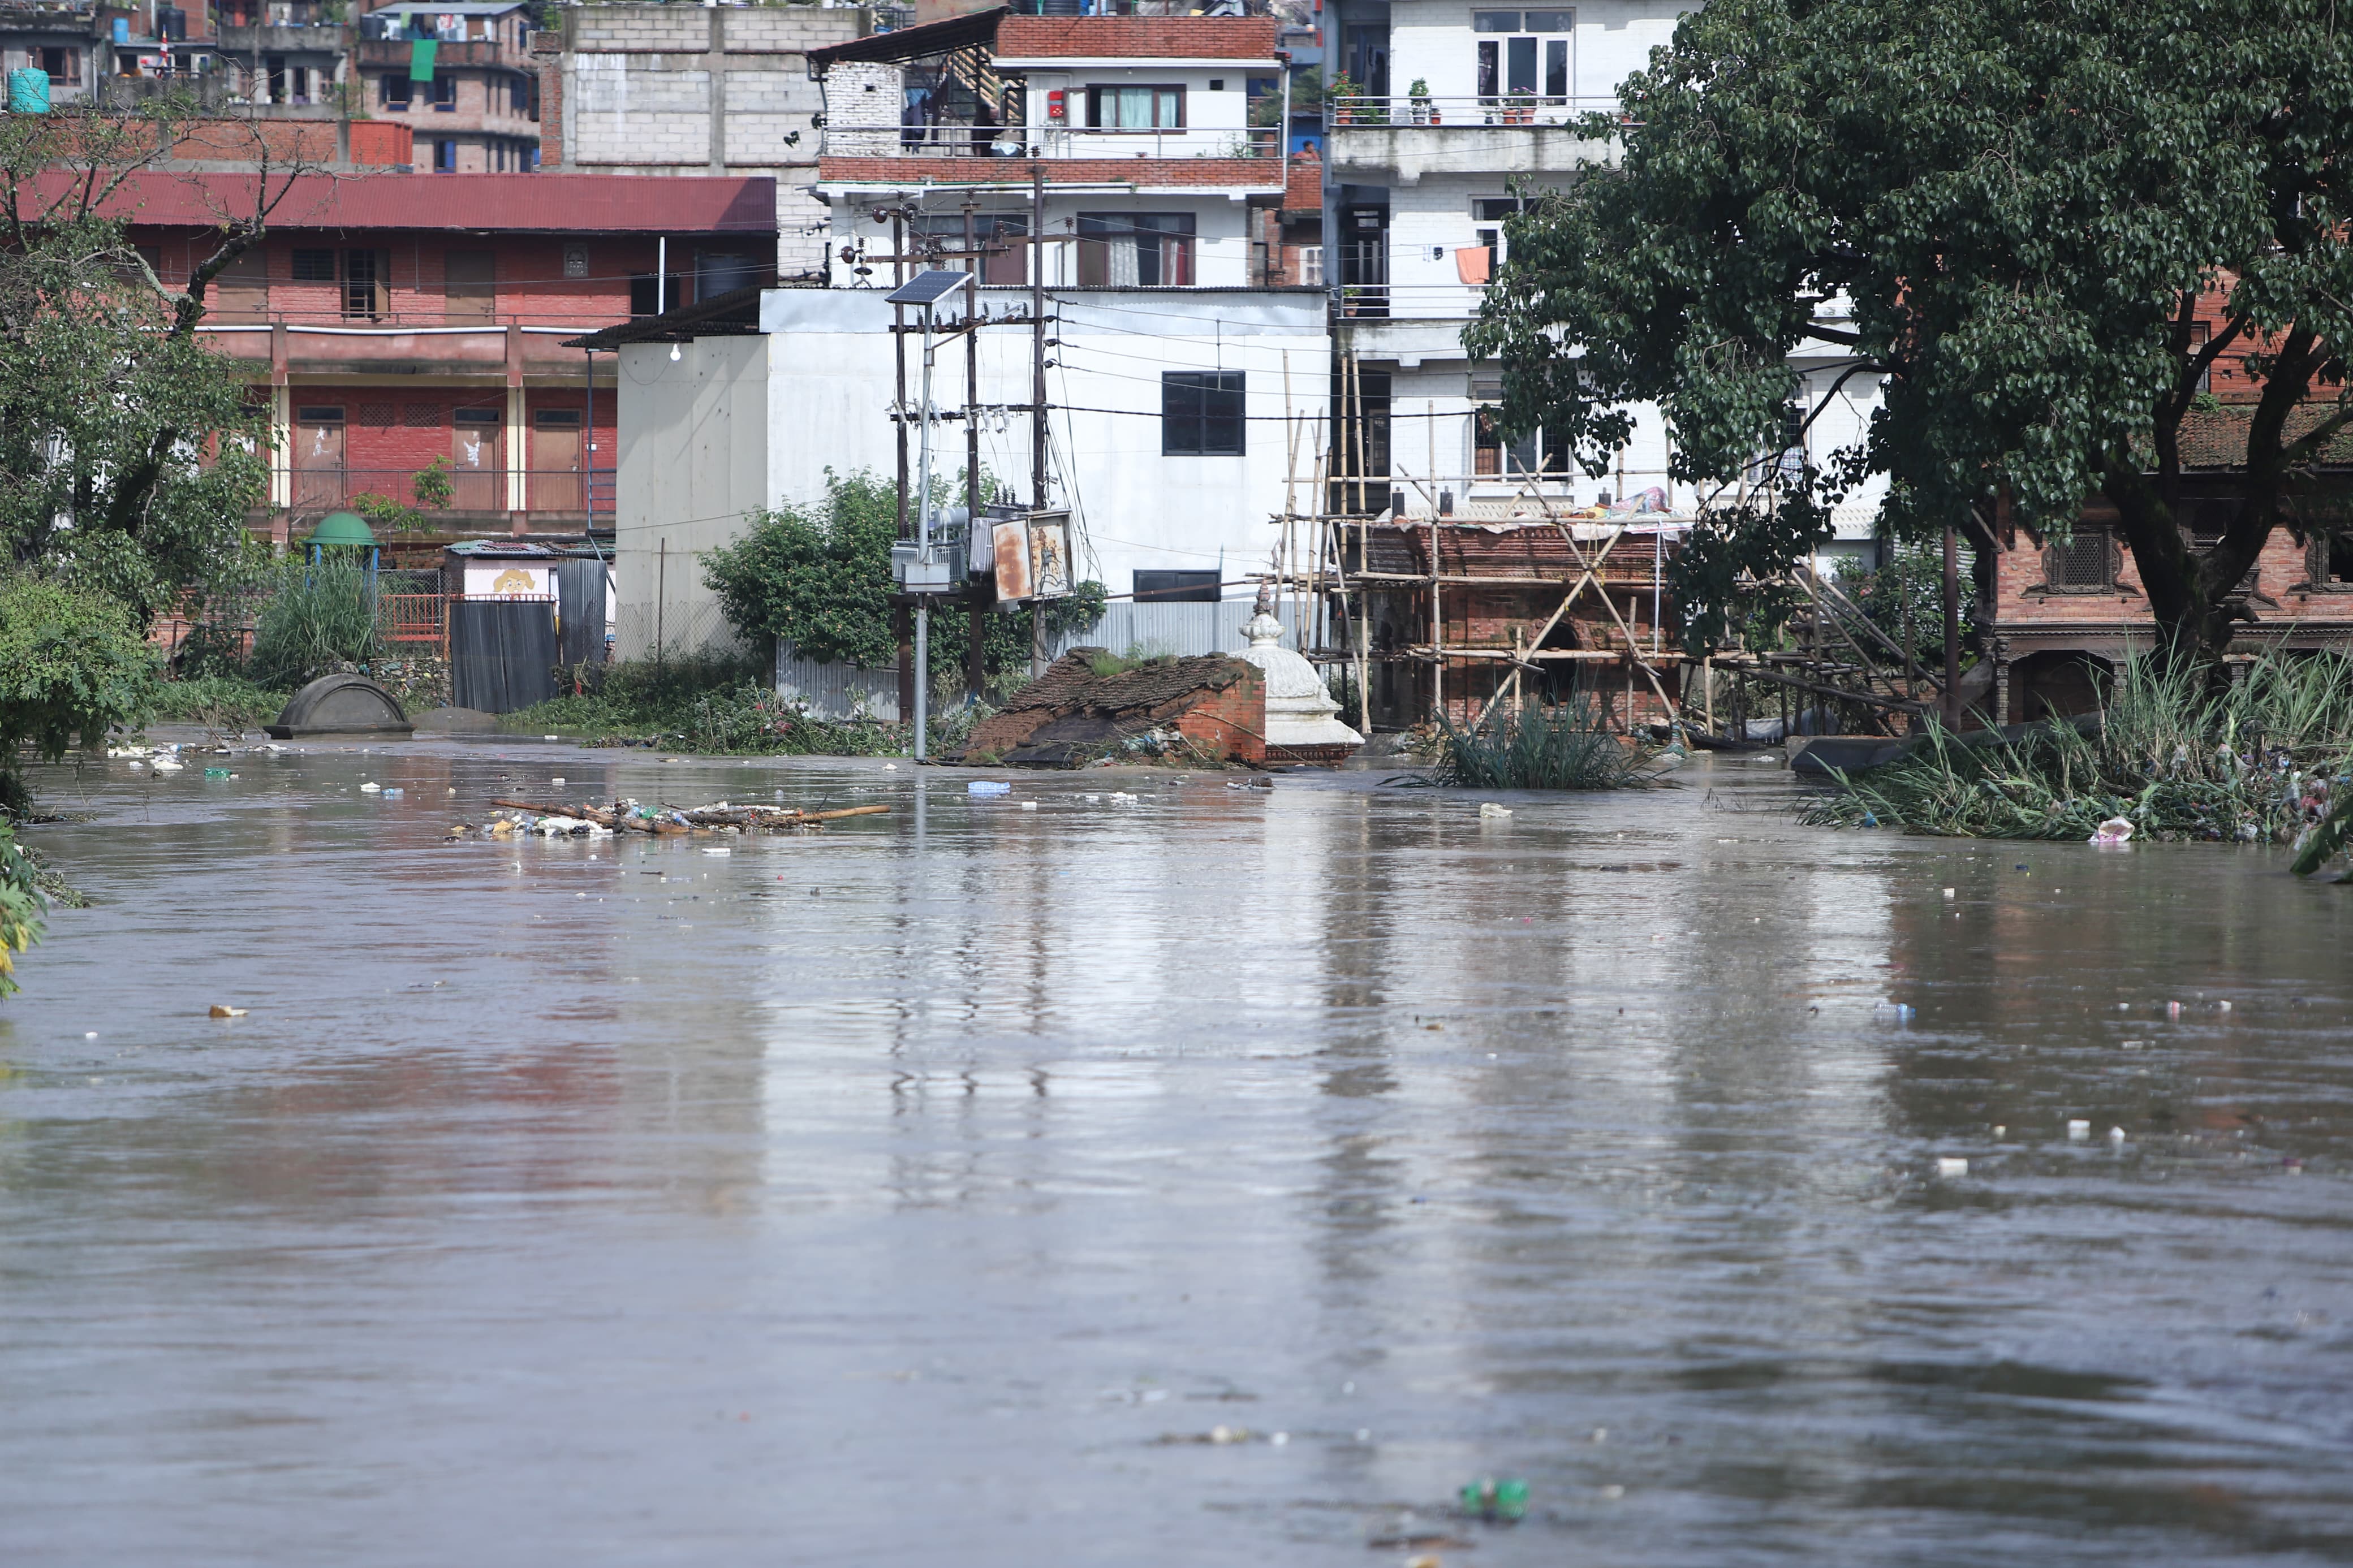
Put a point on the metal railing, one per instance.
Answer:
(471, 489)
(960, 140)
(1503, 109)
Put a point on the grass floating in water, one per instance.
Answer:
(1530, 748)
(2259, 759)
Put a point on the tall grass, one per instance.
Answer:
(1528, 747)
(2256, 760)
(321, 615)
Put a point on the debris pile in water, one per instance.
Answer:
(526, 819)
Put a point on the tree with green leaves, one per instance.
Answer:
(71, 669)
(2005, 211)
(129, 454)
(819, 578)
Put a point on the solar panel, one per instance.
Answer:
(926, 288)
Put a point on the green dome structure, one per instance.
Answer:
(342, 529)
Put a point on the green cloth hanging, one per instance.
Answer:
(421, 59)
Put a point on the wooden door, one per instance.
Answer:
(318, 456)
(555, 461)
(478, 477)
(470, 290)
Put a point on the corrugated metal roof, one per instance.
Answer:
(490, 203)
(915, 43)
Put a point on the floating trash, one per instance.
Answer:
(2079, 1130)
(989, 786)
(1949, 1166)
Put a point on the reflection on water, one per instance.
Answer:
(896, 1195)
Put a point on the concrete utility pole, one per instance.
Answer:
(975, 667)
(1037, 390)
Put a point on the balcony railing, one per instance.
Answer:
(1509, 108)
(471, 489)
(961, 140)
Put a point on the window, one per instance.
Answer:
(575, 262)
(1178, 587)
(314, 266)
(647, 297)
(1201, 414)
(2332, 561)
(1492, 213)
(1537, 452)
(1135, 249)
(999, 234)
(63, 66)
(368, 279)
(2201, 334)
(2085, 563)
(445, 93)
(444, 156)
(718, 272)
(393, 90)
(1136, 108)
(1528, 62)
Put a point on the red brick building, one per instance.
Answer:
(2057, 617)
(393, 320)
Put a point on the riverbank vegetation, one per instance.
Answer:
(2258, 759)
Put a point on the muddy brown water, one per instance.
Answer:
(933, 1189)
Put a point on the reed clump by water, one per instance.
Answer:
(2257, 760)
(1531, 747)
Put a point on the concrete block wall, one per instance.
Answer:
(634, 94)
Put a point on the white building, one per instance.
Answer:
(1187, 376)
(1459, 111)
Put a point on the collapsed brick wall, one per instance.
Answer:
(1216, 702)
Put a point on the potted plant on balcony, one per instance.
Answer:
(1418, 99)
(1522, 108)
(1342, 96)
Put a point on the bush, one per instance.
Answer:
(224, 702)
(821, 581)
(20, 907)
(321, 616)
(71, 669)
(2257, 759)
(703, 702)
(1529, 748)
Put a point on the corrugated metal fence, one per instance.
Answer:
(842, 691)
(1186, 630)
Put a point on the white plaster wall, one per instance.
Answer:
(694, 460)
(1612, 39)
(1221, 252)
(832, 389)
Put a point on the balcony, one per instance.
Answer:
(967, 141)
(1396, 141)
(382, 54)
(244, 42)
(472, 491)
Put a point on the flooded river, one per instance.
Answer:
(939, 1189)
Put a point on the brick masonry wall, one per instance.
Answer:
(529, 273)
(1231, 723)
(2023, 598)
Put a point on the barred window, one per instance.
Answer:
(422, 416)
(2085, 562)
(377, 415)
